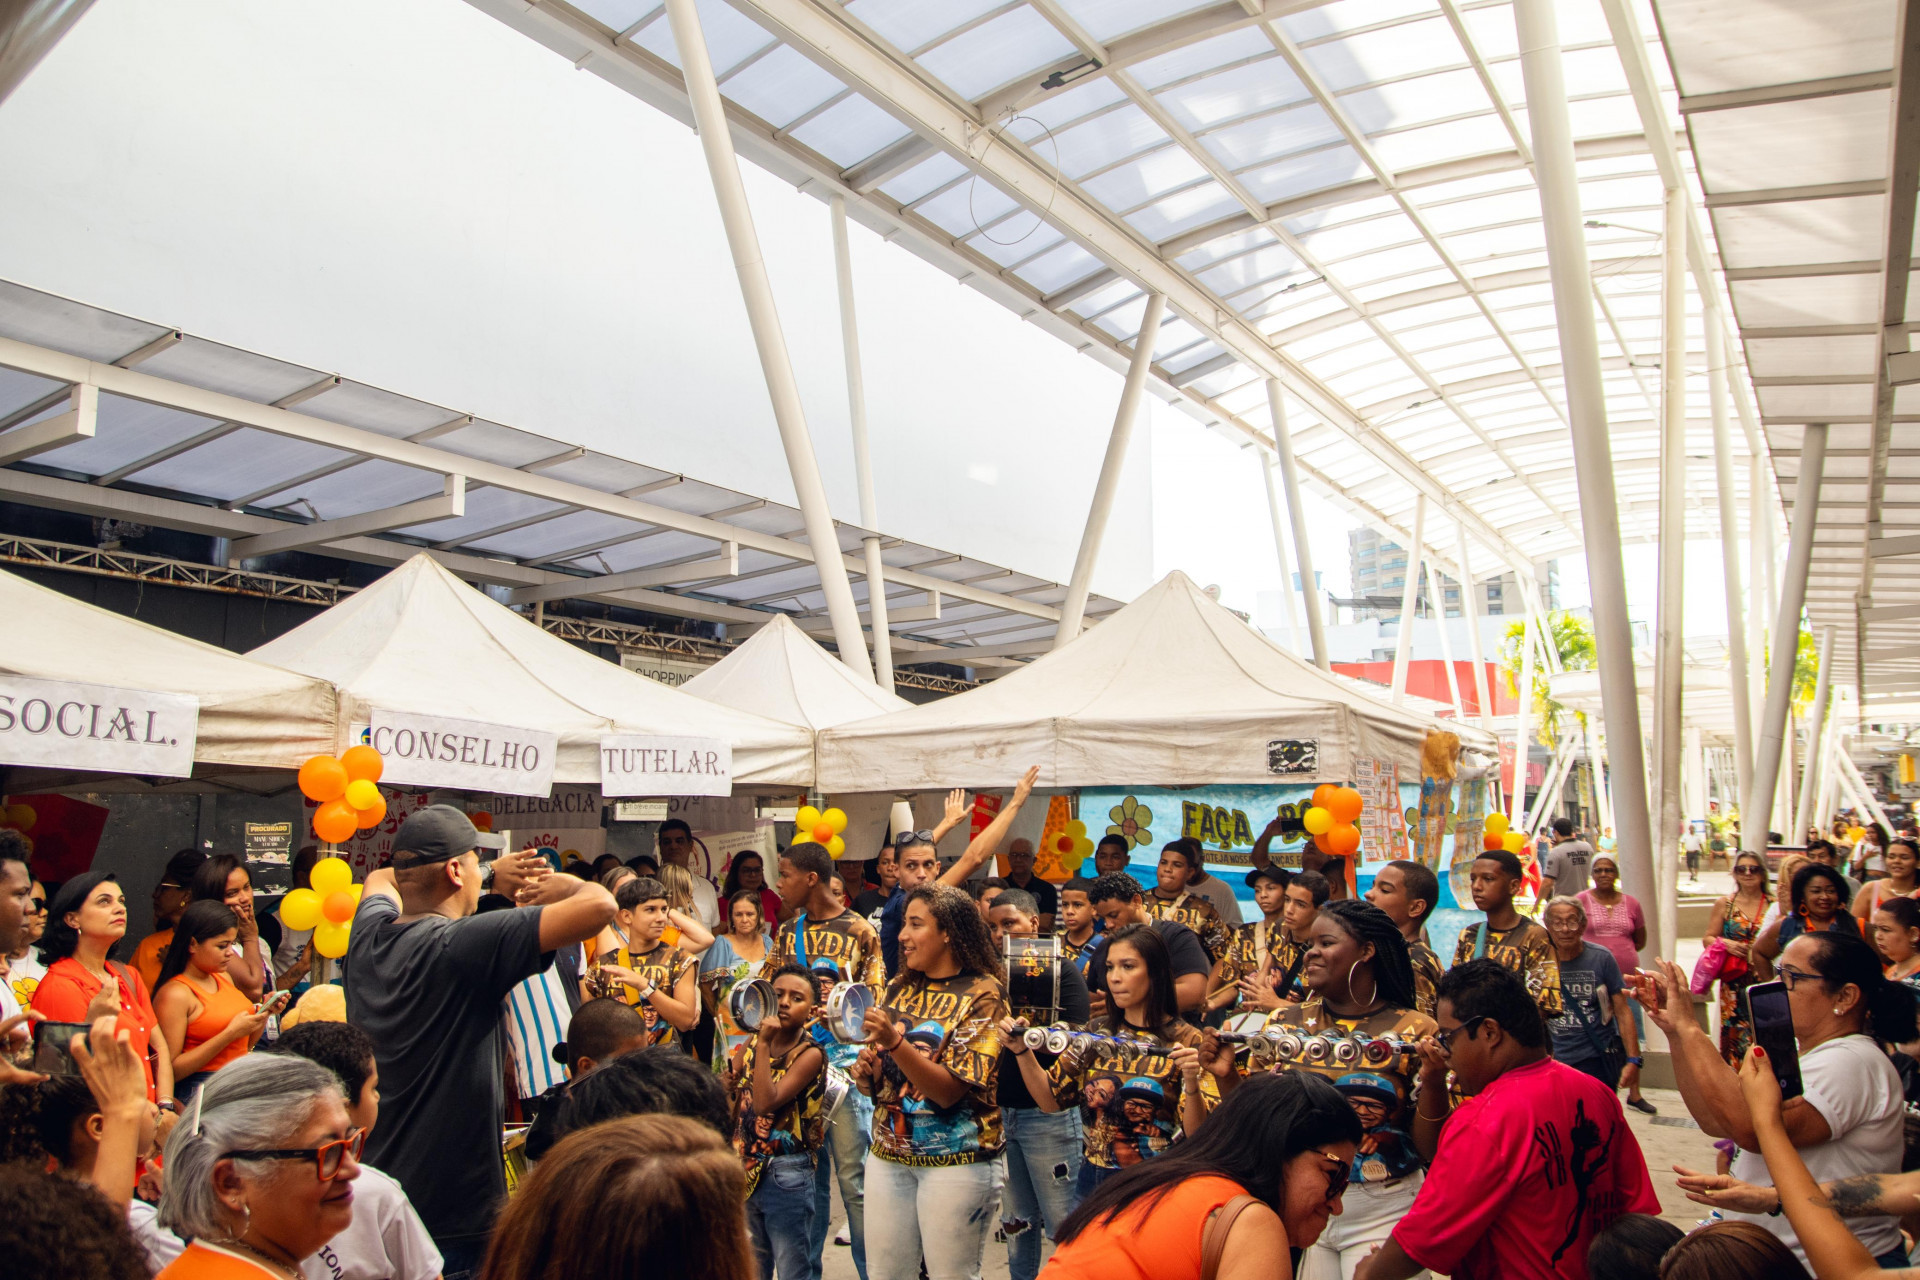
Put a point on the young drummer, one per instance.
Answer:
(1519, 945)
(1252, 945)
(778, 1077)
(1408, 892)
(1078, 922)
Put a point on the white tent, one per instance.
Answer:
(1173, 690)
(251, 714)
(421, 640)
(782, 672)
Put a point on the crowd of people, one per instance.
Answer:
(525, 1072)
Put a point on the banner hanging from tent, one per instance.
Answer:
(649, 765)
(440, 751)
(54, 724)
(1227, 820)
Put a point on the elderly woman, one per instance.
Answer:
(1596, 1033)
(260, 1171)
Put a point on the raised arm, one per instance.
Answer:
(987, 843)
(572, 909)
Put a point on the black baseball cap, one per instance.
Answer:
(439, 832)
(1272, 871)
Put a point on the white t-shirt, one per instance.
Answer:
(24, 974)
(1853, 1086)
(706, 902)
(386, 1241)
(159, 1244)
(1216, 891)
(9, 1008)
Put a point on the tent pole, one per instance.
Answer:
(1439, 589)
(1816, 736)
(1771, 746)
(1571, 274)
(1470, 610)
(756, 290)
(1280, 550)
(1409, 598)
(862, 456)
(1302, 549)
(1073, 609)
(1737, 657)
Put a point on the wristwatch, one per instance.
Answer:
(649, 992)
(1636, 1062)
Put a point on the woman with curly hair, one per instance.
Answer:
(931, 1065)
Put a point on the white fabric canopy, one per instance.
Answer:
(421, 640)
(251, 714)
(1173, 690)
(782, 672)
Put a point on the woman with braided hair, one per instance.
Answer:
(1359, 980)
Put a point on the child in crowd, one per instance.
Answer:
(647, 971)
(1408, 892)
(1518, 944)
(1252, 944)
(1078, 922)
(1173, 898)
(601, 1030)
(1283, 980)
(779, 1121)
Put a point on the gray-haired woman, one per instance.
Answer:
(1596, 1033)
(260, 1171)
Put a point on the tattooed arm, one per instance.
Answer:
(1895, 1194)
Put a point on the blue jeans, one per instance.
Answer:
(843, 1157)
(1043, 1163)
(1091, 1176)
(780, 1217)
(941, 1214)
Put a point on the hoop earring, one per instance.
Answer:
(1351, 970)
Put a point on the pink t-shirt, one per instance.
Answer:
(1613, 927)
(1525, 1175)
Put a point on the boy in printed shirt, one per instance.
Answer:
(1282, 982)
(777, 1078)
(1079, 923)
(1408, 892)
(1252, 944)
(1173, 899)
(1519, 945)
(653, 975)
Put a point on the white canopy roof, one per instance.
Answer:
(784, 673)
(1172, 690)
(250, 714)
(421, 640)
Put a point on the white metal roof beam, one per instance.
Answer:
(78, 423)
(1903, 186)
(1799, 91)
(211, 434)
(727, 562)
(449, 503)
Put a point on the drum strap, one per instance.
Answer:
(800, 941)
(1259, 943)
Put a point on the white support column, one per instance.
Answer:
(1439, 590)
(1741, 684)
(723, 166)
(862, 456)
(1760, 584)
(1073, 609)
(1816, 735)
(1693, 774)
(1770, 748)
(1409, 598)
(1850, 771)
(1602, 789)
(1470, 610)
(1523, 739)
(1671, 612)
(1571, 273)
(1297, 513)
(1280, 551)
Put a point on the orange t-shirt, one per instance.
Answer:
(1137, 1245)
(67, 989)
(150, 955)
(203, 1261)
(225, 1004)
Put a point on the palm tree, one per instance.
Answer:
(1573, 639)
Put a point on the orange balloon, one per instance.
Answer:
(368, 819)
(1342, 840)
(362, 762)
(338, 906)
(322, 779)
(822, 832)
(482, 821)
(1323, 795)
(1490, 841)
(336, 820)
(1345, 804)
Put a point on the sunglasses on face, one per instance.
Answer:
(1337, 1177)
(1445, 1038)
(1748, 870)
(327, 1157)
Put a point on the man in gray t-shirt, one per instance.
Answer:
(1564, 868)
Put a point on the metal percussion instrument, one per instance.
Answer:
(838, 1084)
(1059, 1039)
(846, 1016)
(1033, 972)
(1329, 1049)
(750, 1003)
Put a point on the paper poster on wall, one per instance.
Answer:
(268, 847)
(563, 846)
(1294, 756)
(1383, 822)
(57, 725)
(723, 845)
(1469, 828)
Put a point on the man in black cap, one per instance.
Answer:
(425, 979)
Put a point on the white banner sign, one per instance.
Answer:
(636, 765)
(54, 724)
(437, 751)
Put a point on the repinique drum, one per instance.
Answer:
(1033, 973)
(838, 1085)
(750, 1003)
(847, 1006)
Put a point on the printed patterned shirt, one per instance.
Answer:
(1195, 912)
(1527, 950)
(956, 1022)
(1289, 957)
(1246, 951)
(1129, 1099)
(1382, 1096)
(793, 1129)
(1426, 976)
(663, 966)
(845, 948)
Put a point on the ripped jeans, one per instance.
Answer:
(944, 1212)
(1043, 1164)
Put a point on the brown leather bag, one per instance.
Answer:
(1213, 1239)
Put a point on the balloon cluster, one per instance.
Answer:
(327, 908)
(1071, 846)
(822, 828)
(19, 817)
(1331, 819)
(347, 792)
(1497, 835)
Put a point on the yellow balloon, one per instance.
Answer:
(836, 846)
(300, 909)
(1076, 829)
(331, 875)
(1496, 824)
(1513, 842)
(1317, 821)
(362, 794)
(330, 939)
(807, 816)
(356, 891)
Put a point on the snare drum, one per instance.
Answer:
(1033, 973)
(847, 1006)
(750, 1003)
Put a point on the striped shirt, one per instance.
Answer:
(537, 1016)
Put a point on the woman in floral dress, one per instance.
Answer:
(1736, 920)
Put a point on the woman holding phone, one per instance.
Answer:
(207, 1020)
(1849, 1117)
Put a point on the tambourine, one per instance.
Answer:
(846, 1016)
(1060, 1038)
(1324, 1050)
(750, 1003)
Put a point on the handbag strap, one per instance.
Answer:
(1213, 1237)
